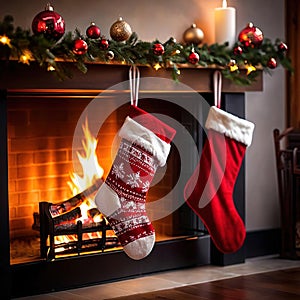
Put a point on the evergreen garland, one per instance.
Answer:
(25, 47)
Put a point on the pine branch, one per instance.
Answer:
(49, 53)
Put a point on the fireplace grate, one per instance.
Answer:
(50, 229)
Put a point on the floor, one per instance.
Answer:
(171, 279)
(273, 285)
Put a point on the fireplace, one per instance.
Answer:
(39, 119)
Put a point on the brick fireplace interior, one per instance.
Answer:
(38, 119)
(40, 161)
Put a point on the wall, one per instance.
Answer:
(163, 19)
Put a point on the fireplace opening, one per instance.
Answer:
(40, 135)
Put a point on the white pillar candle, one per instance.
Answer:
(225, 24)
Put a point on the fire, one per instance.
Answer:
(89, 163)
(91, 172)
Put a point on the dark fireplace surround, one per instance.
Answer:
(44, 276)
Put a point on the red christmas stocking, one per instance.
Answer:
(209, 191)
(144, 146)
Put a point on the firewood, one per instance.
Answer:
(64, 207)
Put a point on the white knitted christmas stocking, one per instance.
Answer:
(144, 146)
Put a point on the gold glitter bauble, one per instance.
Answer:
(193, 35)
(120, 31)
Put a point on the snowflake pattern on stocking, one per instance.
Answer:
(134, 180)
(146, 186)
(118, 170)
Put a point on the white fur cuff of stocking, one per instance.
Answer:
(231, 126)
(140, 135)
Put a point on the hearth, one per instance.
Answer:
(36, 166)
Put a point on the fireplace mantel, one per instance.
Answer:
(16, 76)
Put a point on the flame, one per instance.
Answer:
(224, 5)
(91, 171)
(89, 164)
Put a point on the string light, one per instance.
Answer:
(5, 40)
(50, 68)
(157, 66)
(25, 57)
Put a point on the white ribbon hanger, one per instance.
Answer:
(134, 82)
(217, 88)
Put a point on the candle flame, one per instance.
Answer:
(224, 3)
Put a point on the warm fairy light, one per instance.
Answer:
(50, 68)
(25, 57)
(5, 40)
(176, 52)
(250, 69)
(157, 66)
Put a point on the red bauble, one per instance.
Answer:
(93, 31)
(272, 63)
(238, 50)
(80, 47)
(251, 36)
(193, 58)
(49, 23)
(103, 44)
(282, 47)
(158, 49)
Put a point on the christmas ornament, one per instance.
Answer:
(145, 146)
(80, 47)
(272, 63)
(251, 36)
(250, 68)
(110, 55)
(93, 31)
(120, 31)
(282, 47)
(211, 196)
(238, 50)
(193, 35)
(104, 44)
(49, 23)
(232, 65)
(158, 49)
(193, 58)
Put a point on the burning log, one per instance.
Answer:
(63, 231)
(67, 217)
(66, 206)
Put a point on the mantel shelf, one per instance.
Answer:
(15, 76)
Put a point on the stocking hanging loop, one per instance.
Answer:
(134, 82)
(217, 88)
